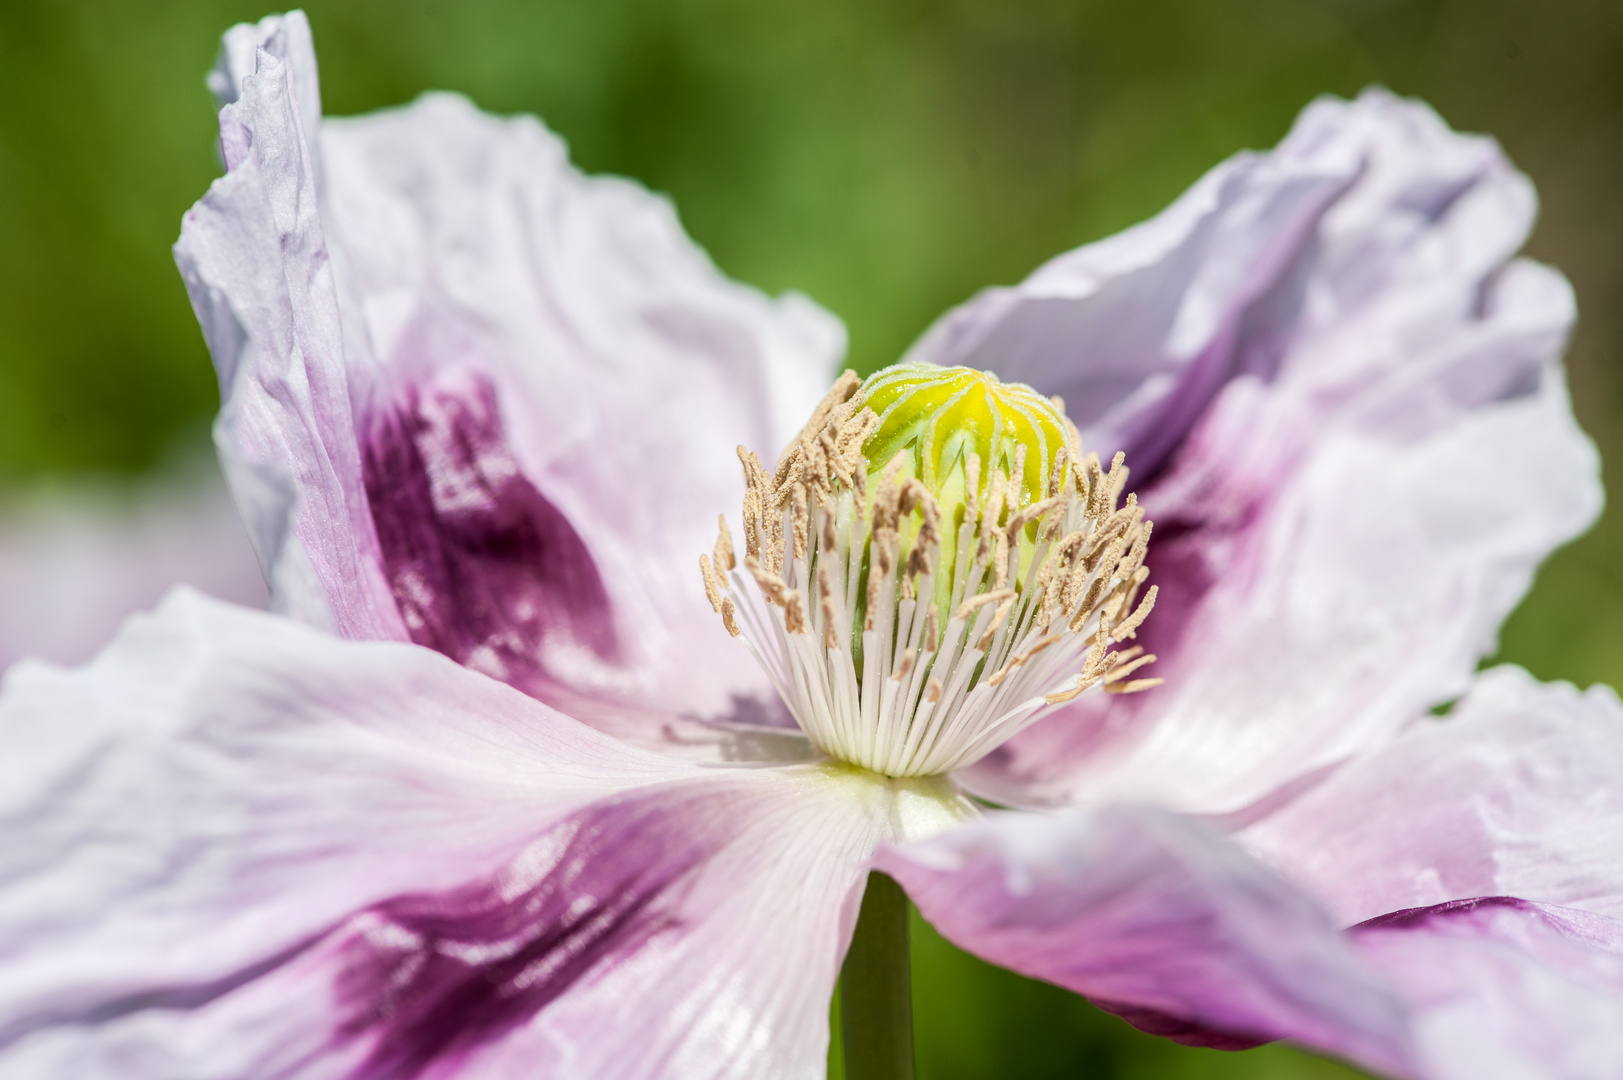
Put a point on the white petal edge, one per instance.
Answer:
(1517, 791)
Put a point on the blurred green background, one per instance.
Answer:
(888, 158)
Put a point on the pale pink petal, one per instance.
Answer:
(1154, 918)
(1504, 988)
(1344, 401)
(259, 270)
(75, 561)
(507, 395)
(1182, 935)
(220, 784)
(1517, 791)
(237, 847)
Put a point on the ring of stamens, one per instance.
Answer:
(887, 668)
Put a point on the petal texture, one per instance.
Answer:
(1155, 919)
(1501, 988)
(219, 785)
(240, 848)
(1518, 791)
(1343, 400)
(1184, 936)
(507, 395)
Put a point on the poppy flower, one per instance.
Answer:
(498, 790)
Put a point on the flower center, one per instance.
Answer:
(931, 567)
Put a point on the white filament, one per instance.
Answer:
(916, 710)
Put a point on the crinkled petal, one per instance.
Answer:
(1184, 936)
(507, 395)
(1502, 988)
(1156, 919)
(220, 784)
(237, 847)
(76, 561)
(1344, 402)
(1517, 791)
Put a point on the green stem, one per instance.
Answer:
(876, 988)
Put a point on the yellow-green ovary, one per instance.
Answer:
(940, 416)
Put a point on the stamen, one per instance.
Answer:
(1125, 629)
(1134, 687)
(1122, 670)
(997, 596)
(984, 507)
(723, 554)
(712, 584)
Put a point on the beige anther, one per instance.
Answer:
(852, 435)
(1140, 575)
(752, 507)
(773, 543)
(712, 586)
(832, 472)
(999, 617)
(772, 587)
(993, 510)
(1051, 578)
(927, 541)
(798, 516)
(825, 598)
(1117, 477)
(1090, 603)
(729, 615)
(1128, 626)
(1134, 687)
(1099, 659)
(1020, 658)
(904, 667)
(983, 553)
(1076, 461)
(1059, 697)
(1000, 559)
(812, 473)
(1135, 557)
(1034, 512)
(975, 603)
(1058, 474)
(723, 556)
(1110, 554)
(794, 613)
(1123, 669)
(1069, 549)
(1095, 485)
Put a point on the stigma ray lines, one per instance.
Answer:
(886, 667)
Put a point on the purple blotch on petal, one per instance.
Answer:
(1409, 918)
(483, 567)
(431, 977)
